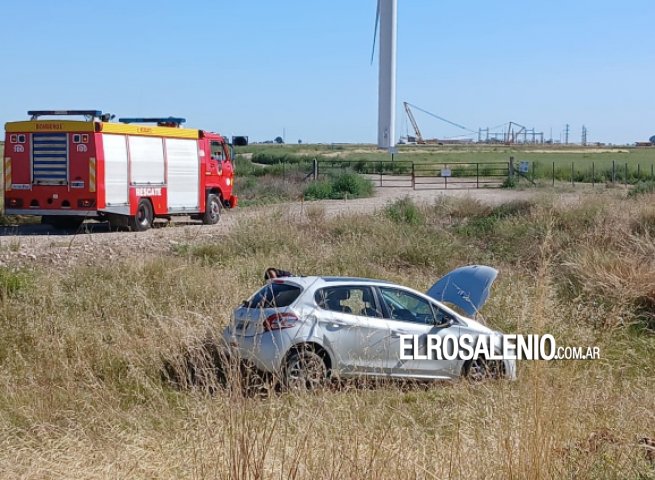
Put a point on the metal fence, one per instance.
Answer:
(456, 175)
(586, 172)
(421, 176)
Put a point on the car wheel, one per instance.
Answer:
(305, 370)
(212, 210)
(144, 216)
(482, 369)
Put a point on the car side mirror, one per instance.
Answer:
(446, 322)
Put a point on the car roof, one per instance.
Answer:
(309, 280)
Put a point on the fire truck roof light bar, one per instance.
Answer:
(87, 113)
(161, 121)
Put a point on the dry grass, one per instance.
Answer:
(86, 356)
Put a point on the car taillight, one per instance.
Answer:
(279, 321)
(15, 203)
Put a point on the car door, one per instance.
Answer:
(410, 314)
(352, 325)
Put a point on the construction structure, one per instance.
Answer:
(507, 133)
(510, 133)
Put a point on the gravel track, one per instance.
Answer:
(43, 245)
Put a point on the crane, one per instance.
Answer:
(419, 137)
(512, 135)
(412, 120)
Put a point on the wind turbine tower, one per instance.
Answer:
(387, 16)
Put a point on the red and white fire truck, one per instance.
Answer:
(127, 172)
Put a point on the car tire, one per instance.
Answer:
(144, 216)
(212, 210)
(480, 369)
(304, 370)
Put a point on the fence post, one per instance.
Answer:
(613, 172)
(511, 168)
(638, 171)
(553, 174)
(652, 172)
(315, 169)
(413, 177)
(625, 180)
(572, 172)
(593, 174)
(477, 175)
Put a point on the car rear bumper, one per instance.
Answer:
(265, 351)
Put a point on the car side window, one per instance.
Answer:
(407, 307)
(356, 300)
(217, 152)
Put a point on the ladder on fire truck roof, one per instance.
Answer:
(89, 115)
(160, 121)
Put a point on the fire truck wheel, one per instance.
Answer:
(212, 210)
(144, 216)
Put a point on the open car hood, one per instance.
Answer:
(467, 287)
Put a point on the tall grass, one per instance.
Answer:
(88, 355)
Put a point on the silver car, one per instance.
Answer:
(304, 330)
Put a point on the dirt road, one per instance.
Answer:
(40, 244)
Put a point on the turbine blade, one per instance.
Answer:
(375, 31)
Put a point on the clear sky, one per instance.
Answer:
(302, 67)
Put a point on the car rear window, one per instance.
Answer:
(275, 295)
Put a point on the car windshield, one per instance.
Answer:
(274, 295)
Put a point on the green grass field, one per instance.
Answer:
(567, 161)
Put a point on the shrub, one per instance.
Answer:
(351, 184)
(405, 211)
(268, 158)
(344, 185)
(510, 182)
(318, 190)
(641, 188)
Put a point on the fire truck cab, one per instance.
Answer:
(127, 172)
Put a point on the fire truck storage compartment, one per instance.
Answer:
(146, 160)
(116, 178)
(147, 167)
(183, 173)
(49, 158)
